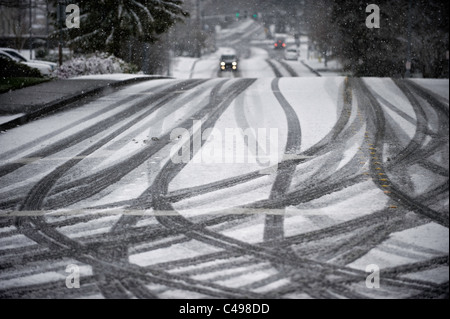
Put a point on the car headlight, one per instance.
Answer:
(234, 63)
(222, 63)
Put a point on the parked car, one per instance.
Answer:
(22, 58)
(291, 53)
(45, 70)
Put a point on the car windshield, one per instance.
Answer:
(6, 56)
(224, 149)
(228, 57)
(16, 55)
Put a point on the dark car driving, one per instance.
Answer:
(229, 62)
(280, 43)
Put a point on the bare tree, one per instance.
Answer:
(14, 15)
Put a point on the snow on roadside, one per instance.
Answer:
(438, 86)
(8, 118)
(182, 67)
(98, 63)
(112, 77)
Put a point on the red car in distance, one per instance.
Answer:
(280, 43)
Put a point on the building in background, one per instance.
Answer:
(25, 23)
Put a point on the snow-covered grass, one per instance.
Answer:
(182, 67)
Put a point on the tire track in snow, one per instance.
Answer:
(122, 101)
(34, 204)
(275, 70)
(37, 229)
(160, 187)
(377, 166)
(205, 235)
(329, 143)
(91, 131)
(288, 68)
(39, 192)
(302, 272)
(274, 224)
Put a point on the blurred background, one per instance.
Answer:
(410, 31)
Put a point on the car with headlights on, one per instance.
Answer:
(229, 62)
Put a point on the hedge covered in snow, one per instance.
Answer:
(98, 63)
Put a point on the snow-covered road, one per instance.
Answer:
(354, 173)
(257, 57)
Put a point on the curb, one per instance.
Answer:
(56, 105)
(191, 73)
(311, 69)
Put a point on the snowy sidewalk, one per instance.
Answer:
(333, 67)
(20, 106)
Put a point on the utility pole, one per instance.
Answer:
(31, 31)
(199, 27)
(448, 64)
(47, 27)
(409, 57)
(61, 18)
